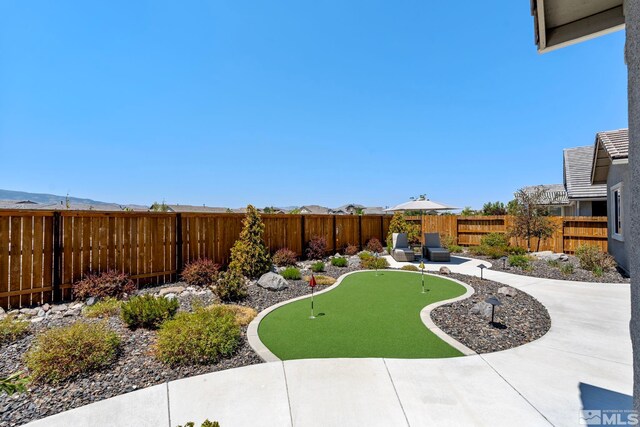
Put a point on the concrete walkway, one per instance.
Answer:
(584, 361)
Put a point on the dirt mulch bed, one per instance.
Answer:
(521, 318)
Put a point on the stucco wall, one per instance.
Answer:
(632, 57)
(619, 174)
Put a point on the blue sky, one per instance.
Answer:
(293, 102)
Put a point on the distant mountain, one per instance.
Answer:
(45, 198)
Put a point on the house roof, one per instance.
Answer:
(314, 209)
(610, 146)
(196, 209)
(559, 23)
(578, 164)
(554, 194)
(376, 210)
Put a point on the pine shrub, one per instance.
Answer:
(202, 272)
(102, 285)
(147, 311)
(339, 262)
(521, 261)
(231, 286)
(249, 255)
(12, 329)
(105, 308)
(317, 267)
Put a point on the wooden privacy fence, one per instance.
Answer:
(570, 233)
(43, 253)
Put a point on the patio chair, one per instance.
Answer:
(401, 251)
(433, 250)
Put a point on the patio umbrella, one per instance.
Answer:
(423, 205)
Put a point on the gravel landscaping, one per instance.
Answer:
(543, 269)
(135, 367)
(521, 318)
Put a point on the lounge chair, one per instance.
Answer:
(433, 250)
(401, 250)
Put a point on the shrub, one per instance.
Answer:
(102, 285)
(567, 269)
(516, 250)
(447, 241)
(521, 261)
(553, 263)
(365, 255)
(339, 262)
(350, 249)
(64, 352)
(399, 224)
(231, 286)
(12, 329)
(591, 258)
(201, 337)
(206, 423)
(496, 240)
(15, 383)
(317, 267)
(409, 267)
(598, 271)
(249, 255)
(244, 315)
(147, 311)
(291, 273)
(284, 257)
(202, 272)
(321, 280)
(374, 245)
(104, 308)
(374, 263)
(317, 247)
(455, 249)
(494, 252)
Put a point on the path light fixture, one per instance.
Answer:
(504, 262)
(493, 301)
(422, 274)
(482, 267)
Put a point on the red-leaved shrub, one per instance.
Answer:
(374, 245)
(284, 257)
(317, 247)
(201, 272)
(102, 285)
(350, 249)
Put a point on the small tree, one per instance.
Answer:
(249, 255)
(531, 216)
(496, 208)
(399, 224)
(467, 211)
(159, 207)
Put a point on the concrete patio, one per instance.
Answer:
(583, 362)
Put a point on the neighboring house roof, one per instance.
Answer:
(554, 194)
(196, 209)
(314, 209)
(578, 164)
(610, 146)
(376, 210)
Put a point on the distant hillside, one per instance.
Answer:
(44, 198)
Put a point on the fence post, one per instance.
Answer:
(302, 242)
(335, 236)
(56, 294)
(179, 254)
(382, 237)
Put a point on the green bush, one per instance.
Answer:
(317, 267)
(291, 273)
(64, 352)
(284, 257)
(493, 252)
(455, 249)
(102, 285)
(516, 250)
(231, 286)
(495, 240)
(598, 271)
(201, 337)
(12, 329)
(592, 258)
(201, 272)
(147, 311)
(339, 262)
(409, 267)
(447, 241)
(567, 269)
(104, 308)
(521, 261)
(15, 383)
(374, 263)
(553, 263)
(206, 423)
(249, 255)
(399, 224)
(365, 255)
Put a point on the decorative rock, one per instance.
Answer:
(481, 309)
(508, 291)
(77, 306)
(171, 290)
(37, 319)
(550, 256)
(90, 301)
(41, 313)
(59, 308)
(272, 281)
(3, 314)
(354, 261)
(445, 270)
(170, 296)
(28, 311)
(46, 307)
(70, 313)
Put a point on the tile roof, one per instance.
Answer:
(554, 194)
(192, 208)
(616, 142)
(578, 164)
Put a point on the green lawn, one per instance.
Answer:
(366, 316)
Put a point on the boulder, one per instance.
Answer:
(37, 319)
(41, 313)
(29, 311)
(272, 281)
(171, 290)
(507, 291)
(170, 296)
(59, 308)
(445, 270)
(550, 256)
(90, 301)
(481, 309)
(46, 307)
(3, 313)
(354, 261)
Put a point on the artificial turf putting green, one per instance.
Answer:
(365, 316)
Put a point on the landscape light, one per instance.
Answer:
(422, 274)
(493, 301)
(482, 267)
(504, 262)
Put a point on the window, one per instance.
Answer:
(616, 214)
